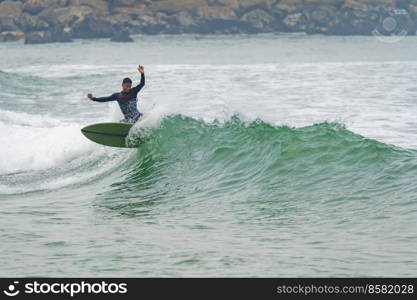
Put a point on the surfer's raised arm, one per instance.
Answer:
(141, 84)
(102, 99)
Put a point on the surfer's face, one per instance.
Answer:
(126, 87)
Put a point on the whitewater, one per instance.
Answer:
(264, 155)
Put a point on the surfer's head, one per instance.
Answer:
(126, 85)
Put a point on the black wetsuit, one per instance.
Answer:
(127, 101)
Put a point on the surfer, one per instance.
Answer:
(127, 98)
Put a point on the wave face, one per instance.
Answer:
(256, 161)
(252, 162)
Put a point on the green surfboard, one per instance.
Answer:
(109, 134)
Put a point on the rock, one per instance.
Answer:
(216, 13)
(8, 24)
(94, 27)
(129, 11)
(9, 15)
(367, 5)
(122, 20)
(216, 19)
(55, 35)
(233, 4)
(10, 9)
(44, 20)
(175, 6)
(121, 37)
(28, 22)
(184, 18)
(38, 37)
(265, 4)
(153, 23)
(362, 27)
(258, 19)
(320, 19)
(355, 5)
(99, 7)
(295, 22)
(322, 15)
(62, 34)
(67, 16)
(11, 36)
(333, 3)
(289, 6)
(36, 6)
(118, 3)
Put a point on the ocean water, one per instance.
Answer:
(269, 155)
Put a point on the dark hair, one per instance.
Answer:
(127, 80)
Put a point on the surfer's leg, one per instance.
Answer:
(131, 120)
(136, 118)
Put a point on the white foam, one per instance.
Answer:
(151, 119)
(25, 119)
(115, 113)
(66, 175)
(36, 148)
(33, 143)
(68, 70)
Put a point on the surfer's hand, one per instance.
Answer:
(141, 69)
(90, 96)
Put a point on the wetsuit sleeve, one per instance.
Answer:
(105, 99)
(141, 84)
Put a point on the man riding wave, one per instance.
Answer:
(127, 98)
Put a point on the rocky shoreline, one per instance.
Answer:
(46, 21)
